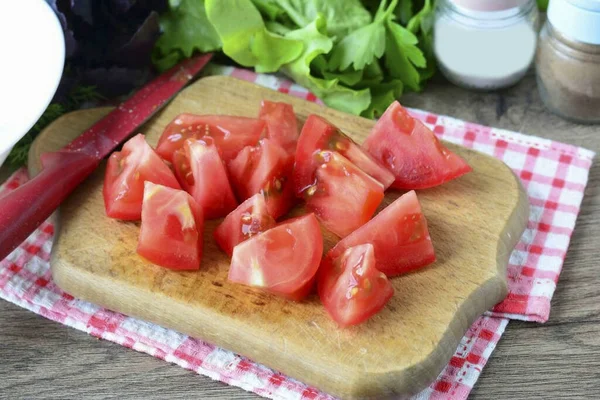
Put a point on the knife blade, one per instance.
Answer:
(25, 208)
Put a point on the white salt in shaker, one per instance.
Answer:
(485, 44)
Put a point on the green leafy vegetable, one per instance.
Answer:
(356, 56)
(341, 16)
(335, 95)
(269, 8)
(382, 95)
(543, 4)
(246, 39)
(403, 56)
(185, 29)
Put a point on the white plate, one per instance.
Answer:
(32, 54)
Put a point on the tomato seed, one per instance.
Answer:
(367, 284)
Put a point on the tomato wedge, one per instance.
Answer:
(351, 288)
(399, 236)
(318, 134)
(126, 172)
(282, 125)
(230, 134)
(202, 174)
(343, 196)
(249, 219)
(266, 169)
(412, 152)
(282, 260)
(171, 229)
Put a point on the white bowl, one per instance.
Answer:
(32, 56)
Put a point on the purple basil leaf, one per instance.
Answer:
(70, 42)
(137, 50)
(121, 6)
(83, 9)
(115, 81)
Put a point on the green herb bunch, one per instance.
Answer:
(357, 56)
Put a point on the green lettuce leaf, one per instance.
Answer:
(245, 38)
(335, 95)
(341, 16)
(185, 29)
(349, 77)
(269, 8)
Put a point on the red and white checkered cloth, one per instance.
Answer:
(554, 175)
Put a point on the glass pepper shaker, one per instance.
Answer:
(485, 45)
(568, 60)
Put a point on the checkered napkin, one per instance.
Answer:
(554, 175)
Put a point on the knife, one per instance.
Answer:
(25, 208)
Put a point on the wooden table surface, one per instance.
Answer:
(558, 359)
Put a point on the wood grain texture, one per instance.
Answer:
(42, 359)
(400, 351)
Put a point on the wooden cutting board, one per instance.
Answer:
(474, 222)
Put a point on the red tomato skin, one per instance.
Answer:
(343, 197)
(351, 288)
(230, 134)
(282, 260)
(163, 240)
(248, 219)
(123, 188)
(412, 152)
(399, 236)
(282, 125)
(201, 172)
(319, 135)
(266, 169)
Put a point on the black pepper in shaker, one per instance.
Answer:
(568, 60)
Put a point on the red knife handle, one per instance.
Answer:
(29, 205)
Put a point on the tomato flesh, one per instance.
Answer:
(351, 288)
(282, 260)
(399, 236)
(126, 172)
(342, 196)
(171, 229)
(282, 125)
(249, 219)
(266, 169)
(202, 174)
(230, 134)
(318, 135)
(412, 152)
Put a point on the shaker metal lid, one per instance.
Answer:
(488, 5)
(576, 19)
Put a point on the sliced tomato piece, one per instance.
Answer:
(172, 228)
(202, 174)
(266, 169)
(412, 152)
(282, 125)
(399, 236)
(342, 196)
(351, 288)
(283, 260)
(126, 172)
(317, 135)
(249, 219)
(230, 134)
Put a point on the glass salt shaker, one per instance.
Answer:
(568, 60)
(485, 45)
